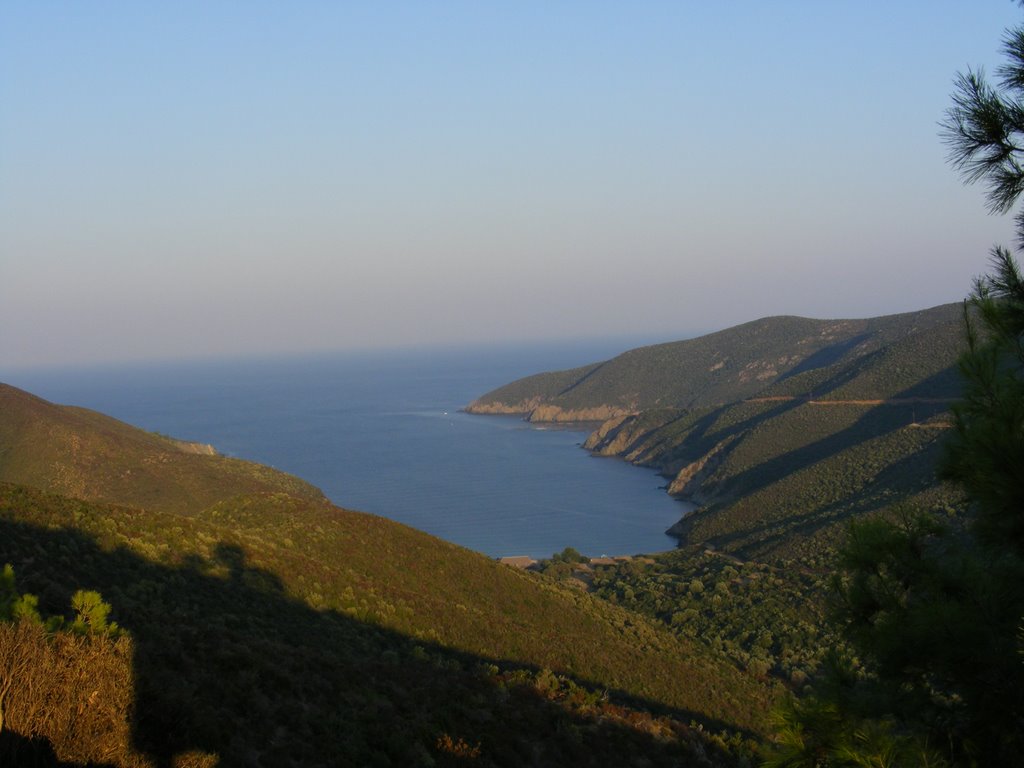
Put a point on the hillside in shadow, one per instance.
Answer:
(775, 471)
(228, 663)
(37, 752)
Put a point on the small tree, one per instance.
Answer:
(91, 614)
(15, 606)
(570, 555)
(984, 129)
(986, 454)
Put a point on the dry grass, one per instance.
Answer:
(73, 690)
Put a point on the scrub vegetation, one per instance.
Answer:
(270, 627)
(765, 617)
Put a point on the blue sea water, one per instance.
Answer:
(383, 433)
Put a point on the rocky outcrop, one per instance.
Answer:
(627, 437)
(497, 408)
(534, 410)
(203, 449)
(553, 413)
(688, 480)
(608, 439)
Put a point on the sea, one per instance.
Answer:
(383, 432)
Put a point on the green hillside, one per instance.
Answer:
(779, 446)
(715, 369)
(87, 455)
(270, 627)
(267, 626)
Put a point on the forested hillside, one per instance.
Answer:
(778, 450)
(715, 369)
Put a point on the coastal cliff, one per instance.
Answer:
(537, 412)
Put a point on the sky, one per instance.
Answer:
(197, 180)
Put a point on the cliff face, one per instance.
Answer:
(523, 396)
(499, 408)
(534, 410)
(629, 436)
(552, 413)
(687, 481)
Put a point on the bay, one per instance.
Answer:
(382, 432)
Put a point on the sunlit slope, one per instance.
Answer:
(88, 455)
(263, 616)
(806, 453)
(715, 369)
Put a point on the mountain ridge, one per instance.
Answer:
(88, 455)
(695, 373)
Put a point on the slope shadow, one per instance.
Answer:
(702, 436)
(825, 356)
(596, 367)
(625, 428)
(24, 752)
(876, 421)
(901, 479)
(227, 663)
(903, 474)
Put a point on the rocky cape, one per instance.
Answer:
(538, 412)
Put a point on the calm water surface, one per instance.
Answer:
(383, 433)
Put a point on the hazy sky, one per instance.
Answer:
(194, 179)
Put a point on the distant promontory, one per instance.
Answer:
(779, 429)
